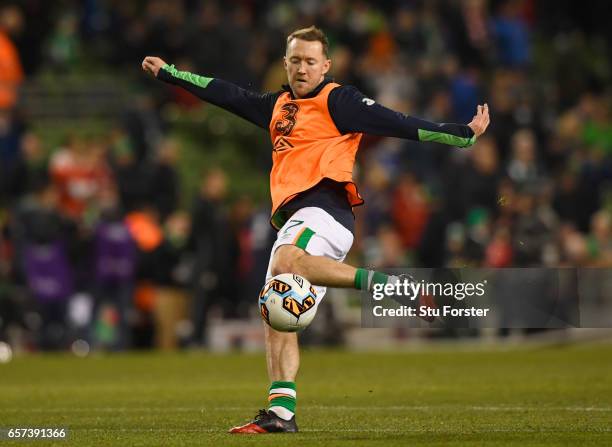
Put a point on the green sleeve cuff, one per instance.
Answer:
(445, 138)
(197, 80)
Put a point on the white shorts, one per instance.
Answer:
(317, 233)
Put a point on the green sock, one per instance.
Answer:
(365, 279)
(281, 398)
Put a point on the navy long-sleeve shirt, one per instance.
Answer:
(350, 110)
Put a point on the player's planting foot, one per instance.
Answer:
(266, 421)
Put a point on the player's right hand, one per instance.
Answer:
(152, 64)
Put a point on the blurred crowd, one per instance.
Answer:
(96, 244)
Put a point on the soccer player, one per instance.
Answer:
(315, 126)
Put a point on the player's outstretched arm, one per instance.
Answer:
(353, 112)
(254, 107)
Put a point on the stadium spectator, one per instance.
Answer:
(164, 188)
(215, 251)
(511, 34)
(387, 250)
(11, 71)
(600, 239)
(410, 210)
(79, 173)
(523, 167)
(114, 264)
(376, 190)
(532, 231)
(12, 164)
(44, 245)
(472, 181)
(36, 160)
(171, 275)
(64, 43)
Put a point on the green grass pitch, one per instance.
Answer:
(443, 396)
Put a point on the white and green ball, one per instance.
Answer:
(288, 302)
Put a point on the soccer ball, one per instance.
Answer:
(288, 302)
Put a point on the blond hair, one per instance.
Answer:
(311, 34)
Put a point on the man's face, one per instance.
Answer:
(306, 66)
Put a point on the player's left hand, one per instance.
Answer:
(480, 122)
